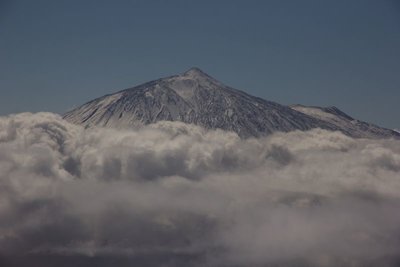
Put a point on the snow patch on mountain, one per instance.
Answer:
(345, 123)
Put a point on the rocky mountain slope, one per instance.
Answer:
(345, 123)
(195, 97)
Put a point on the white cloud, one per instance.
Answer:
(178, 194)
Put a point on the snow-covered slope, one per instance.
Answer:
(195, 97)
(345, 123)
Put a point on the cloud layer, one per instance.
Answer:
(175, 194)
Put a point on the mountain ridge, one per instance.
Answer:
(196, 97)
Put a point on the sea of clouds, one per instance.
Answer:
(173, 194)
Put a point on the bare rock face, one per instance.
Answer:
(195, 97)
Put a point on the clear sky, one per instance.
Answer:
(55, 55)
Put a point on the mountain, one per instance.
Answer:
(345, 123)
(195, 97)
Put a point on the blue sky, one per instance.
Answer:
(55, 55)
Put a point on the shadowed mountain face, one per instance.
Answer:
(195, 97)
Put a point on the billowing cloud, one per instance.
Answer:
(172, 194)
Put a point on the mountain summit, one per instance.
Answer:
(195, 97)
(196, 72)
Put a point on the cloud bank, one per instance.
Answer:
(172, 194)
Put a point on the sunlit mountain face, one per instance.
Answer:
(195, 97)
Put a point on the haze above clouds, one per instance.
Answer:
(172, 194)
